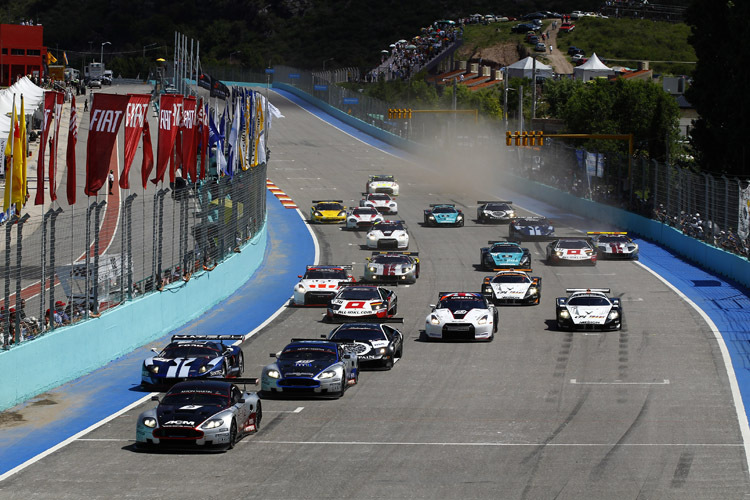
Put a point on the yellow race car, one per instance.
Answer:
(324, 211)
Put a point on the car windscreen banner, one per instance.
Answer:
(204, 81)
(189, 143)
(135, 116)
(106, 116)
(743, 223)
(49, 105)
(170, 113)
(218, 89)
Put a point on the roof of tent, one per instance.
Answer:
(32, 96)
(594, 64)
(528, 63)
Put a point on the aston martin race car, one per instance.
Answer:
(382, 184)
(363, 218)
(513, 286)
(356, 302)
(461, 316)
(200, 414)
(530, 228)
(311, 367)
(381, 202)
(392, 267)
(319, 284)
(443, 214)
(613, 245)
(571, 251)
(504, 254)
(376, 344)
(325, 211)
(588, 309)
(388, 234)
(194, 357)
(494, 211)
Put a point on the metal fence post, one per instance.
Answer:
(6, 301)
(98, 207)
(53, 217)
(19, 247)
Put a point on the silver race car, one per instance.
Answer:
(319, 284)
(381, 202)
(494, 211)
(571, 251)
(392, 267)
(388, 234)
(363, 218)
(382, 184)
(461, 316)
(588, 309)
(614, 245)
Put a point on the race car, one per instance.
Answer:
(363, 218)
(513, 286)
(530, 228)
(200, 414)
(193, 357)
(376, 344)
(494, 211)
(392, 267)
(443, 214)
(388, 234)
(325, 211)
(588, 309)
(504, 254)
(356, 302)
(613, 245)
(381, 202)
(571, 251)
(319, 284)
(311, 367)
(382, 184)
(461, 316)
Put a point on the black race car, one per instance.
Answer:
(530, 228)
(376, 344)
(494, 211)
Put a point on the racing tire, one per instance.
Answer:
(395, 309)
(388, 364)
(258, 417)
(241, 365)
(232, 434)
(460, 224)
(400, 352)
(344, 384)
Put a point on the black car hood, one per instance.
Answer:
(302, 368)
(185, 415)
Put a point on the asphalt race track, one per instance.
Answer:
(647, 412)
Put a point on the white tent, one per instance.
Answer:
(32, 96)
(523, 69)
(592, 68)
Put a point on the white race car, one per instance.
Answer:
(614, 245)
(588, 309)
(390, 234)
(363, 217)
(319, 284)
(382, 184)
(513, 286)
(357, 302)
(381, 202)
(461, 316)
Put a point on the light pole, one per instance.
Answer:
(101, 56)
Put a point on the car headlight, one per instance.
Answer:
(459, 217)
(483, 320)
(532, 290)
(511, 214)
(273, 374)
(407, 269)
(431, 217)
(558, 253)
(149, 422)
(371, 269)
(589, 252)
(335, 307)
(327, 374)
(153, 368)
(203, 369)
(372, 237)
(318, 214)
(564, 314)
(613, 315)
(213, 423)
(300, 287)
(382, 350)
(342, 213)
(434, 320)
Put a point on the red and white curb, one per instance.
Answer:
(281, 195)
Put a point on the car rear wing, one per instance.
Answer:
(238, 380)
(394, 252)
(624, 233)
(484, 202)
(573, 290)
(512, 269)
(492, 242)
(433, 205)
(443, 294)
(346, 267)
(207, 337)
(328, 201)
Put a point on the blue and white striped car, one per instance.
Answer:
(530, 228)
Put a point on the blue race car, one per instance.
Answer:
(189, 357)
(443, 214)
(531, 228)
(311, 368)
(504, 254)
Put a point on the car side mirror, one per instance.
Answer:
(347, 356)
(299, 275)
(241, 401)
(154, 398)
(323, 336)
(154, 349)
(432, 306)
(273, 354)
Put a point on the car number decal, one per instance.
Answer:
(355, 305)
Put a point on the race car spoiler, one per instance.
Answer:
(535, 217)
(607, 232)
(355, 283)
(484, 202)
(328, 201)
(492, 242)
(443, 294)
(505, 269)
(433, 205)
(207, 337)
(573, 290)
(347, 267)
(394, 252)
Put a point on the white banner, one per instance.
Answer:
(2, 156)
(73, 279)
(743, 224)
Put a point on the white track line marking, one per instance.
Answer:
(296, 410)
(619, 382)
(498, 444)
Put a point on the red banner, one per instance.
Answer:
(70, 155)
(106, 115)
(135, 115)
(170, 111)
(49, 104)
(57, 115)
(148, 155)
(189, 144)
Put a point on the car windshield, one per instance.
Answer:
(589, 300)
(173, 351)
(444, 210)
(497, 206)
(365, 211)
(359, 294)
(304, 352)
(533, 222)
(510, 278)
(379, 197)
(359, 333)
(613, 239)
(388, 226)
(572, 244)
(506, 249)
(325, 274)
(328, 206)
(390, 259)
(197, 397)
(461, 303)
(382, 178)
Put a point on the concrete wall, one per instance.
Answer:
(69, 352)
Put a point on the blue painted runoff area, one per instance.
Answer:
(79, 404)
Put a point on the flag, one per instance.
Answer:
(49, 105)
(148, 155)
(233, 139)
(50, 58)
(70, 156)
(106, 116)
(170, 109)
(188, 127)
(65, 58)
(204, 141)
(59, 98)
(135, 116)
(24, 186)
(10, 172)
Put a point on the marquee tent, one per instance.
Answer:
(593, 68)
(32, 97)
(523, 69)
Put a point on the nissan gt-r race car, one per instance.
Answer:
(319, 284)
(194, 357)
(381, 202)
(376, 344)
(363, 218)
(443, 214)
(388, 234)
(504, 254)
(382, 184)
(513, 286)
(392, 267)
(530, 228)
(356, 302)
(571, 251)
(325, 211)
(588, 309)
(312, 368)
(461, 316)
(200, 414)
(494, 211)
(613, 245)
